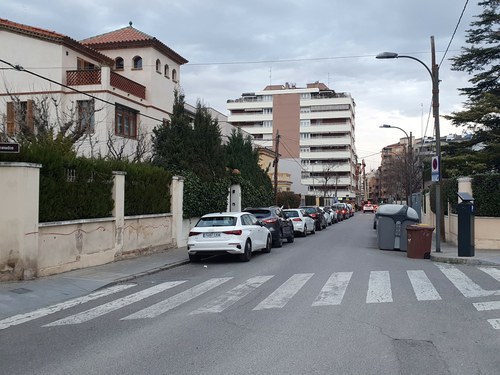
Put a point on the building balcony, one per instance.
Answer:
(94, 77)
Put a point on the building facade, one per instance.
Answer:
(110, 90)
(313, 128)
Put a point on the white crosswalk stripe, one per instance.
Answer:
(495, 323)
(422, 286)
(114, 305)
(23, 318)
(232, 296)
(486, 306)
(464, 284)
(333, 291)
(177, 300)
(280, 297)
(379, 287)
(493, 272)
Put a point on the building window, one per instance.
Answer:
(305, 149)
(267, 111)
(305, 122)
(305, 95)
(20, 117)
(125, 122)
(267, 98)
(158, 66)
(267, 124)
(166, 71)
(82, 64)
(86, 118)
(305, 109)
(174, 75)
(305, 135)
(137, 62)
(119, 63)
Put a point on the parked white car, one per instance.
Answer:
(237, 233)
(302, 222)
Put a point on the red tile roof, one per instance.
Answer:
(130, 37)
(52, 36)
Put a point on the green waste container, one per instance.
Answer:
(419, 239)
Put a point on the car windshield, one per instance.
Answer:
(259, 214)
(291, 213)
(217, 221)
(310, 210)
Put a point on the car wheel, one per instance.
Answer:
(304, 233)
(245, 257)
(278, 242)
(267, 249)
(194, 258)
(291, 238)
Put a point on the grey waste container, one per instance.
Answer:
(392, 220)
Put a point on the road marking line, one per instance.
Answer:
(464, 284)
(26, 317)
(85, 316)
(379, 287)
(493, 272)
(177, 300)
(422, 286)
(229, 298)
(487, 306)
(334, 289)
(280, 297)
(495, 323)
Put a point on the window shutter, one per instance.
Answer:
(11, 125)
(30, 123)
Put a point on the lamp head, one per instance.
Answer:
(385, 126)
(387, 55)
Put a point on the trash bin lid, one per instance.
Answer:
(398, 212)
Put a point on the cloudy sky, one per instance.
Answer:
(236, 46)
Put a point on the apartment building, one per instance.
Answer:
(316, 128)
(111, 89)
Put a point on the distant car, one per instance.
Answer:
(317, 214)
(342, 211)
(276, 221)
(330, 219)
(302, 222)
(350, 209)
(368, 207)
(237, 233)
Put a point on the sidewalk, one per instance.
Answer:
(26, 296)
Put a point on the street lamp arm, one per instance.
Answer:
(419, 61)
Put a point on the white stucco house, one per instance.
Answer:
(116, 87)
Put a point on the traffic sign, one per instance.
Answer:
(8, 147)
(435, 168)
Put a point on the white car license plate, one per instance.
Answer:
(211, 235)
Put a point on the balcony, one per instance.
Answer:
(93, 77)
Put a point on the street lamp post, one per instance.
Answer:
(434, 73)
(409, 158)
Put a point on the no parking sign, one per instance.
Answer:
(435, 168)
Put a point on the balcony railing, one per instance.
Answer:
(127, 85)
(93, 77)
(83, 77)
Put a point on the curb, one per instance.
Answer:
(462, 260)
(146, 273)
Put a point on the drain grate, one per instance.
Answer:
(21, 290)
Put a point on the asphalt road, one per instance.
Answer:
(331, 303)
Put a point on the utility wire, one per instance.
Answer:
(21, 69)
(454, 31)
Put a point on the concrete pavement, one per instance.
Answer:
(26, 296)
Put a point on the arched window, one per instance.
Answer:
(119, 63)
(137, 62)
(174, 75)
(158, 65)
(166, 71)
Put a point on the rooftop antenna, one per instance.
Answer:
(270, 75)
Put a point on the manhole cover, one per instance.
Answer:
(21, 290)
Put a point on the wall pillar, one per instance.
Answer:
(234, 199)
(119, 209)
(176, 207)
(19, 195)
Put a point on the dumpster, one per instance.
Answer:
(392, 220)
(419, 239)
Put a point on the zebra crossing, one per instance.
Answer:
(332, 293)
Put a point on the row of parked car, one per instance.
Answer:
(262, 228)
